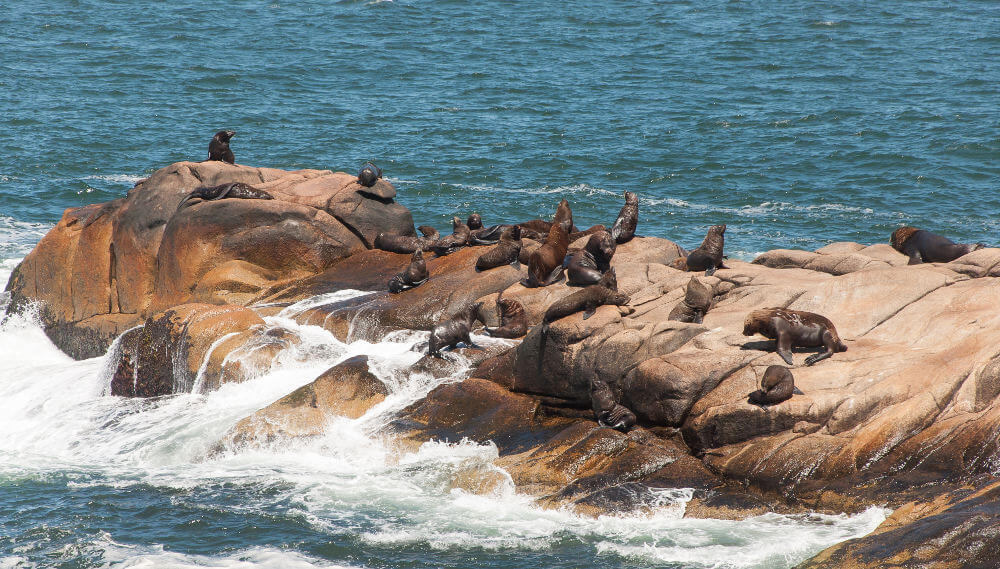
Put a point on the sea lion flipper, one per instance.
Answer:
(555, 276)
(710, 271)
(516, 264)
(797, 391)
(225, 191)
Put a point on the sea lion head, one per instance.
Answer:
(418, 255)
(475, 221)
(455, 223)
(631, 198)
(717, 229)
(601, 245)
(429, 232)
(224, 135)
(901, 236)
(680, 263)
(513, 232)
(754, 320)
(369, 174)
(609, 280)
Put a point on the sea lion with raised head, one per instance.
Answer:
(623, 229)
(585, 266)
(237, 190)
(696, 302)
(450, 243)
(218, 148)
(369, 174)
(609, 413)
(795, 328)
(776, 386)
(450, 332)
(545, 264)
(588, 299)
(506, 252)
(513, 320)
(564, 216)
(407, 244)
(925, 247)
(708, 256)
(414, 275)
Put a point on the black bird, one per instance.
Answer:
(218, 149)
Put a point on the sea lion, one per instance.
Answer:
(414, 275)
(513, 320)
(776, 386)
(218, 148)
(564, 216)
(475, 221)
(696, 302)
(448, 244)
(450, 332)
(407, 243)
(506, 252)
(589, 231)
(545, 264)
(585, 266)
(925, 247)
(795, 328)
(588, 299)
(708, 256)
(369, 174)
(231, 190)
(609, 413)
(623, 229)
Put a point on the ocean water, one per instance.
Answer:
(795, 123)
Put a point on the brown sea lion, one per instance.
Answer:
(609, 413)
(414, 275)
(589, 231)
(564, 216)
(448, 244)
(708, 256)
(776, 386)
(218, 148)
(506, 252)
(925, 247)
(794, 328)
(450, 332)
(407, 243)
(231, 190)
(588, 299)
(545, 264)
(623, 229)
(585, 266)
(513, 320)
(696, 302)
(369, 174)
(538, 228)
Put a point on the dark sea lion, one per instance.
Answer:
(506, 252)
(609, 412)
(218, 148)
(925, 247)
(708, 256)
(513, 320)
(369, 174)
(539, 226)
(776, 386)
(564, 216)
(545, 264)
(795, 328)
(475, 221)
(237, 190)
(623, 229)
(414, 275)
(450, 332)
(448, 244)
(407, 243)
(585, 267)
(588, 299)
(696, 302)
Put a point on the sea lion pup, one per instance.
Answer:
(450, 332)
(369, 174)
(585, 266)
(564, 216)
(623, 229)
(587, 300)
(414, 275)
(231, 190)
(218, 148)
(513, 320)
(506, 252)
(776, 386)
(448, 244)
(696, 302)
(795, 328)
(475, 221)
(926, 247)
(609, 413)
(545, 264)
(708, 256)
(407, 243)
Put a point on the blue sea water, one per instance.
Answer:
(795, 123)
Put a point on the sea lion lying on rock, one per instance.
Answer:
(708, 256)
(369, 174)
(506, 252)
(696, 302)
(588, 299)
(452, 331)
(585, 266)
(407, 243)
(545, 265)
(795, 328)
(459, 238)
(623, 229)
(926, 247)
(513, 320)
(589, 231)
(414, 275)
(609, 413)
(231, 190)
(776, 386)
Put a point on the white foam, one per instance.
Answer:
(155, 557)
